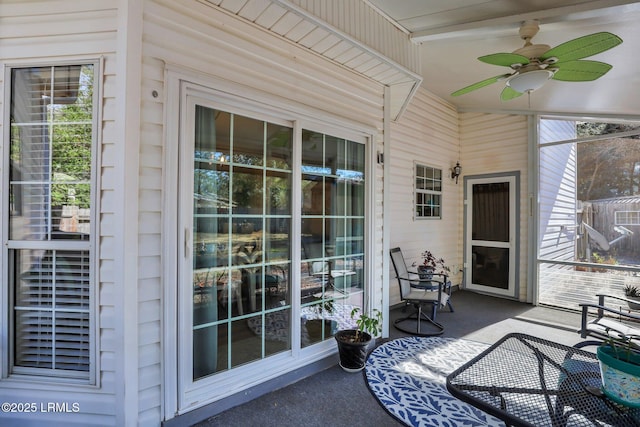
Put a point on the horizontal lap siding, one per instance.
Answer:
(44, 32)
(427, 133)
(200, 38)
(495, 143)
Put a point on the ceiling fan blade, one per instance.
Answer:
(580, 71)
(504, 59)
(479, 85)
(582, 47)
(508, 94)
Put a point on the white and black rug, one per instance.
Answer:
(276, 324)
(408, 377)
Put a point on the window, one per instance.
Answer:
(588, 191)
(627, 217)
(50, 211)
(428, 194)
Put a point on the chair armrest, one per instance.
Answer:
(602, 308)
(602, 297)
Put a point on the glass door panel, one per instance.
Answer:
(490, 242)
(241, 225)
(332, 202)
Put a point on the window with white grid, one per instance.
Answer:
(428, 192)
(50, 214)
(627, 217)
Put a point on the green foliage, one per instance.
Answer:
(608, 167)
(71, 144)
(370, 324)
(603, 259)
(631, 291)
(622, 345)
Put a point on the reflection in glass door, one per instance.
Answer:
(332, 240)
(491, 235)
(241, 254)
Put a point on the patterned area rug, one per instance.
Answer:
(276, 324)
(408, 377)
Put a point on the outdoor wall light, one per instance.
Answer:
(455, 171)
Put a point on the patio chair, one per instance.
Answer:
(419, 292)
(607, 319)
(323, 269)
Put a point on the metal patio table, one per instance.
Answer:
(533, 382)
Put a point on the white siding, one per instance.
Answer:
(207, 40)
(36, 32)
(557, 197)
(226, 51)
(557, 200)
(427, 133)
(493, 143)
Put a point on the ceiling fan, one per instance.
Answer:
(534, 64)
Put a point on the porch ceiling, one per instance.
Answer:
(340, 32)
(454, 33)
(448, 37)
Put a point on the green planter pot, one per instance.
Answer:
(620, 379)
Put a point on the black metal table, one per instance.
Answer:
(532, 382)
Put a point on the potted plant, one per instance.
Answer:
(430, 265)
(353, 344)
(620, 369)
(632, 293)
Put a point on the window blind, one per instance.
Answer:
(49, 248)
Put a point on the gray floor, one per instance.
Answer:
(336, 398)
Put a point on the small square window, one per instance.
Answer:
(428, 192)
(627, 217)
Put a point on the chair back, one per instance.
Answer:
(402, 273)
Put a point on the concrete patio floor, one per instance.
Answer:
(336, 398)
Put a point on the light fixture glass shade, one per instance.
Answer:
(529, 81)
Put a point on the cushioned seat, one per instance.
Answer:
(435, 291)
(607, 319)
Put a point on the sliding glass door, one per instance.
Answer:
(271, 256)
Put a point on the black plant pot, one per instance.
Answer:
(353, 355)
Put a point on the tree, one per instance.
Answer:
(608, 167)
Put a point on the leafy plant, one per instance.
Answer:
(325, 307)
(631, 291)
(369, 324)
(437, 264)
(622, 346)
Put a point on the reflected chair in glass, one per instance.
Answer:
(275, 277)
(320, 267)
(435, 291)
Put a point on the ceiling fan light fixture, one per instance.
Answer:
(529, 81)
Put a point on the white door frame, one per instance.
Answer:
(182, 395)
(513, 178)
